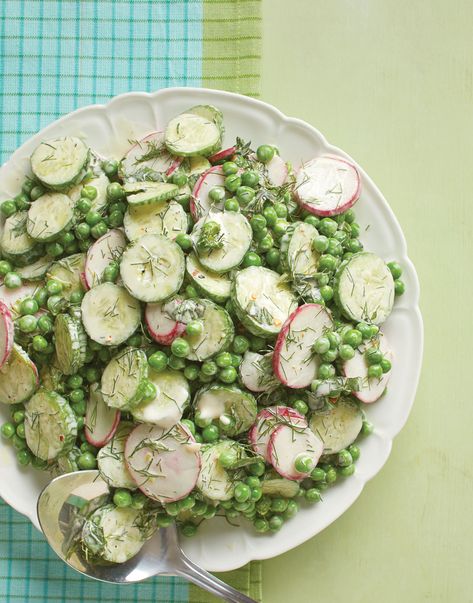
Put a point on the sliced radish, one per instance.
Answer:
(287, 443)
(83, 281)
(277, 171)
(294, 362)
(7, 333)
(370, 389)
(101, 421)
(256, 372)
(222, 155)
(135, 158)
(12, 297)
(165, 463)
(200, 203)
(105, 250)
(266, 422)
(174, 165)
(327, 185)
(162, 329)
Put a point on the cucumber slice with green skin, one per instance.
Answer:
(210, 113)
(287, 443)
(49, 216)
(172, 397)
(16, 243)
(161, 327)
(327, 185)
(215, 482)
(216, 400)
(50, 425)
(71, 344)
(101, 421)
(146, 193)
(197, 165)
(51, 378)
(294, 361)
(18, 377)
(262, 300)
(7, 334)
(35, 271)
(297, 255)
(167, 218)
(68, 462)
(216, 287)
(337, 425)
(280, 487)
(60, 163)
(165, 463)
(364, 288)
(189, 134)
(124, 378)
(266, 422)
(201, 203)
(370, 389)
(217, 332)
(110, 314)
(111, 459)
(235, 237)
(108, 248)
(256, 372)
(148, 158)
(116, 534)
(68, 271)
(152, 268)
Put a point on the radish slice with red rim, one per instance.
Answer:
(12, 297)
(165, 463)
(161, 327)
(294, 362)
(200, 203)
(148, 155)
(107, 249)
(223, 155)
(101, 421)
(266, 422)
(290, 442)
(7, 333)
(277, 171)
(327, 185)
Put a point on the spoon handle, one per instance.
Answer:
(208, 582)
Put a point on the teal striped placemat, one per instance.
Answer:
(56, 56)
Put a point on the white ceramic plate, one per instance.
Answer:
(107, 128)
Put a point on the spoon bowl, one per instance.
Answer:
(61, 511)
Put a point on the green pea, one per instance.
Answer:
(210, 433)
(340, 236)
(93, 217)
(12, 280)
(228, 375)
(89, 192)
(301, 407)
(209, 367)
(281, 210)
(353, 337)
(312, 495)
(271, 216)
(87, 461)
(77, 395)
(385, 365)
(74, 381)
(115, 219)
(179, 178)
(280, 228)
(24, 457)
(41, 296)
(232, 514)
(191, 292)
(250, 178)
(365, 329)
(312, 220)
(54, 249)
(265, 153)
(45, 324)
(328, 227)
(354, 245)
(229, 167)
(198, 438)
(399, 287)
(195, 327)
(148, 390)
(242, 492)
(258, 222)
(110, 274)
(203, 378)
(314, 385)
(355, 230)
(210, 512)
(349, 216)
(27, 324)
(5, 267)
(257, 344)
(367, 428)
(18, 416)
(122, 498)
(261, 525)
(189, 424)
(39, 343)
(325, 371)
(355, 452)
(119, 206)
(304, 463)
(164, 521)
(99, 230)
(66, 239)
(327, 263)
(331, 475)
(191, 372)
(240, 344)
(326, 292)
(373, 356)
(344, 458)
(110, 167)
(8, 430)
(188, 529)
(266, 243)
(232, 205)
(395, 269)
(251, 259)
(334, 247)
(263, 506)
(227, 458)
(56, 304)
(18, 443)
(223, 360)
(29, 306)
(92, 374)
(236, 360)
(217, 194)
(232, 182)
(273, 257)
(184, 241)
(347, 471)
(245, 194)
(53, 287)
(330, 356)
(375, 371)
(291, 510)
(38, 463)
(115, 192)
(84, 245)
(86, 447)
(79, 408)
(317, 474)
(257, 468)
(8, 208)
(276, 523)
(322, 345)
(346, 352)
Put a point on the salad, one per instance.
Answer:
(202, 325)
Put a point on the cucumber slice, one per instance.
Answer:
(172, 397)
(217, 332)
(297, 255)
(262, 300)
(280, 487)
(364, 288)
(71, 344)
(256, 372)
(165, 463)
(60, 163)
(216, 400)
(68, 271)
(50, 425)
(111, 459)
(190, 134)
(49, 216)
(152, 268)
(68, 462)
(198, 165)
(215, 482)
(201, 203)
(18, 377)
(337, 425)
(51, 378)
(147, 159)
(35, 271)
(105, 250)
(167, 218)
(216, 287)
(234, 238)
(16, 242)
(101, 421)
(210, 113)
(146, 193)
(124, 378)
(110, 314)
(116, 534)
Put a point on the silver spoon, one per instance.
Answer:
(58, 516)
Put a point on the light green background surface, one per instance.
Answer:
(391, 82)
